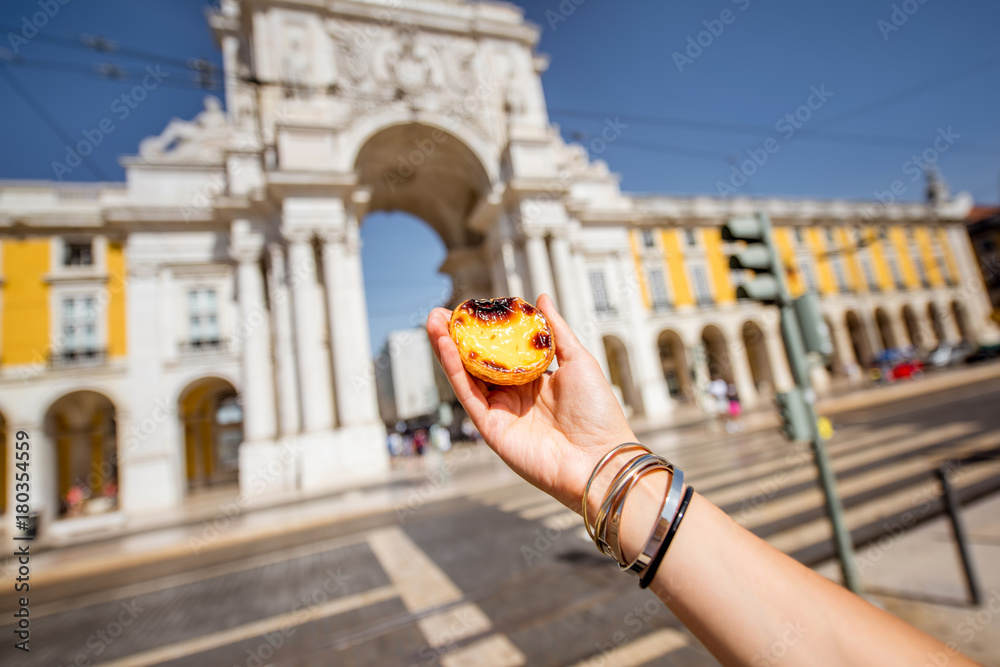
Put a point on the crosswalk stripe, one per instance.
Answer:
(772, 510)
(818, 530)
(639, 651)
(538, 511)
(524, 501)
(256, 629)
(422, 586)
(805, 471)
(797, 452)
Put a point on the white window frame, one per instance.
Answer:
(601, 274)
(667, 302)
(57, 299)
(189, 320)
(699, 270)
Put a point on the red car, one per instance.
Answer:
(907, 370)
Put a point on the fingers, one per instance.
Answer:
(469, 393)
(567, 344)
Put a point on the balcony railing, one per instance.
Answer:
(204, 345)
(85, 358)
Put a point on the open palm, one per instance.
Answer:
(551, 431)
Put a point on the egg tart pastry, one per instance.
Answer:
(502, 341)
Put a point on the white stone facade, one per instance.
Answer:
(335, 110)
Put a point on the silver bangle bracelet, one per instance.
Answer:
(593, 476)
(671, 503)
(612, 494)
(614, 523)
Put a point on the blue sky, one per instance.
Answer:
(608, 59)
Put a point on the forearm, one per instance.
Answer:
(750, 604)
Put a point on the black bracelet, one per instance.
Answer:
(650, 573)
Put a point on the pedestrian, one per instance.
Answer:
(565, 432)
(420, 441)
(733, 409)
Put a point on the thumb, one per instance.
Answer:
(568, 346)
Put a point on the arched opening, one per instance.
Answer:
(719, 367)
(913, 328)
(212, 418)
(962, 321)
(673, 362)
(859, 338)
(82, 426)
(760, 362)
(937, 322)
(885, 333)
(621, 374)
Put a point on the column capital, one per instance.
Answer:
(298, 234)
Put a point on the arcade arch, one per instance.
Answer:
(885, 333)
(757, 355)
(859, 338)
(717, 354)
(673, 362)
(82, 425)
(621, 373)
(212, 422)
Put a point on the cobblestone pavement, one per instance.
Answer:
(502, 575)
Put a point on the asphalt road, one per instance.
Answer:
(501, 576)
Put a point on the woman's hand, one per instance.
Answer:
(553, 431)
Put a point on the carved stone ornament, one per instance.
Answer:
(203, 140)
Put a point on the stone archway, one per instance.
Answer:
(859, 338)
(621, 374)
(913, 328)
(757, 355)
(434, 176)
(212, 422)
(836, 364)
(884, 325)
(674, 364)
(716, 350)
(937, 322)
(82, 425)
(962, 321)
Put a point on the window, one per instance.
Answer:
(203, 324)
(648, 241)
(799, 236)
(79, 326)
(918, 262)
(897, 276)
(829, 234)
(883, 233)
(869, 272)
(658, 289)
(600, 291)
(702, 292)
(78, 253)
(689, 237)
(808, 275)
(837, 263)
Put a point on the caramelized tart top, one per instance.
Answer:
(502, 337)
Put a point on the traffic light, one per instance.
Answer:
(758, 256)
(815, 331)
(794, 415)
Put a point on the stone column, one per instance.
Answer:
(284, 347)
(646, 368)
(739, 365)
(845, 347)
(314, 365)
(353, 373)
(538, 265)
(562, 264)
(780, 372)
(258, 378)
(515, 286)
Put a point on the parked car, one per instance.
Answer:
(908, 369)
(947, 354)
(984, 353)
(893, 365)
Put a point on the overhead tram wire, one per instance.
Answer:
(110, 75)
(816, 131)
(49, 121)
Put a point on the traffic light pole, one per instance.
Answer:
(799, 365)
